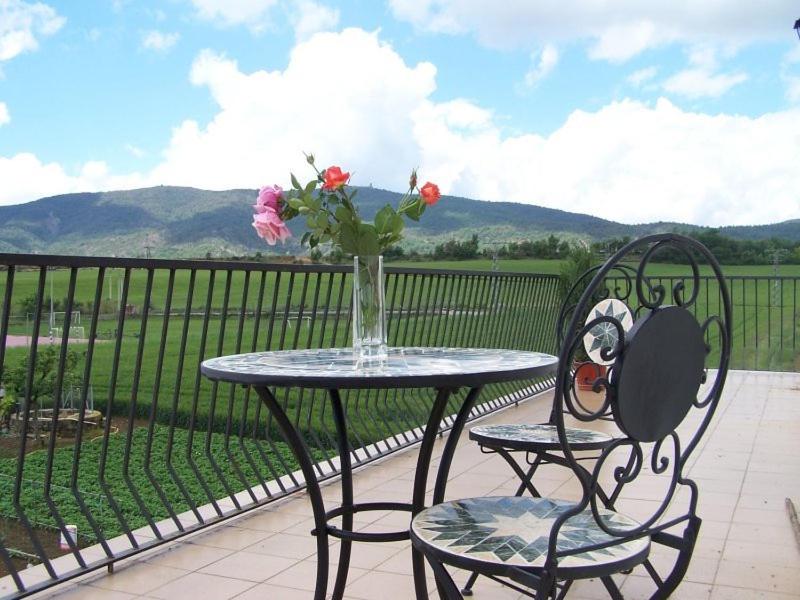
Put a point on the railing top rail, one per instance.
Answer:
(108, 262)
(728, 277)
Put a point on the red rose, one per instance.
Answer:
(334, 178)
(430, 193)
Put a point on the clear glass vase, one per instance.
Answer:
(369, 313)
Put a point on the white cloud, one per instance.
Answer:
(21, 23)
(701, 80)
(542, 64)
(618, 29)
(637, 78)
(628, 161)
(252, 13)
(159, 41)
(4, 116)
(26, 178)
(308, 17)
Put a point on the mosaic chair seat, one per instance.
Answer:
(664, 381)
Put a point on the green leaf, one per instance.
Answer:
(311, 186)
(295, 203)
(397, 225)
(343, 214)
(367, 244)
(348, 238)
(415, 210)
(384, 219)
(295, 184)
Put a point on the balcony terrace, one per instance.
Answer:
(746, 467)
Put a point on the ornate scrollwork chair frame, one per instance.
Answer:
(658, 377)
(618, 284)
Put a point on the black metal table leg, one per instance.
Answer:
(347, 493)
(421, 482)
(452, 442)
(303, 456)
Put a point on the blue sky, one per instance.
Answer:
(639, 112)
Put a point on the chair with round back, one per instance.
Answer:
(662, 387)
(539, 441)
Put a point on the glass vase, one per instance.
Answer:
(369, 314)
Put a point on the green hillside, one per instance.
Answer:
(177, 221)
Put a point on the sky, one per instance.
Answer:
(666, 110)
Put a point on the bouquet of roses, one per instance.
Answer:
(332, 216)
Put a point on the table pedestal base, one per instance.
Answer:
(348, 508)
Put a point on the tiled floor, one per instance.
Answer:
(748, 464)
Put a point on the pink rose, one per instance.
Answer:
(269, 196)
(269, 226)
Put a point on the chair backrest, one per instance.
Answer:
(615, 289)
(665, 378)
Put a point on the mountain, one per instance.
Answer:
(170, 221)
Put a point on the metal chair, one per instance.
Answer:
(539, 442)
(658, 391)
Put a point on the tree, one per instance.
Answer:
(45, 378)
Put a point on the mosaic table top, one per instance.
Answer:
(525, 436)
(515, 531)
(404, 367)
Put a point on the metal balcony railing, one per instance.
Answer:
(110, 431)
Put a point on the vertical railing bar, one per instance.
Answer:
(281, 345)
(433, 308)
(439, 318)
(491, 309)
(414, 402)
(535, 285)
(112, 392)
(475, 309)
(314, 307)
(326, 310)
(176, 397)
(491, 288)
(454, 298)
(58, 389)
(132, 413)
(37, 322)
(769, 315)
(198, 378)
(246, 408)
(390, 326)
(232, 394)
(794, 314)
(154, 402)
(512, 300)
(4, 318)
(286, 311)
(457, 331)
(212, 409)
(422, 310)
(400, 395)
(268, 425)
(780, 284)
(76, 450)
(312, 393)
(525, 312)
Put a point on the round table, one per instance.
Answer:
(442, 369)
